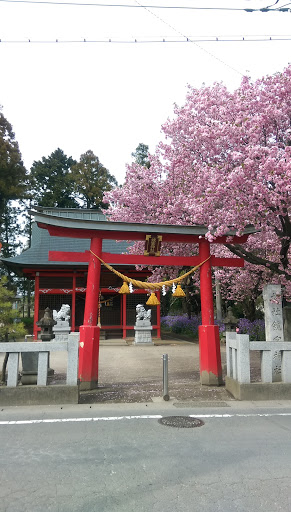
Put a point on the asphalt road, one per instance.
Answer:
(119, 458)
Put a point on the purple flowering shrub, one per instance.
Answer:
(181, 324)
(255, 329)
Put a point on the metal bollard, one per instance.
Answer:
(165, 378)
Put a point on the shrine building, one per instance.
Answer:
(77, 257)
(65, 282)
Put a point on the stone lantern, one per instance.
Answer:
(46, 324)
(230, 321)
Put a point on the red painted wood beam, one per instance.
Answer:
(126, 235)
(52, 291)
(81, 289)
(113, 235)
(50, 271)
(227, 262)
(69, 256)
(132, 259)
(135, 259)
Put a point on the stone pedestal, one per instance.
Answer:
(143, 332)
(61, 330)
(274, 324)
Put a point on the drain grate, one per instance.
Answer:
(181, 422)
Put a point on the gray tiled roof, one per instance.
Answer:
(73, 213)
(42, 242)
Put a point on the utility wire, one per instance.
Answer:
(162, 40)
(190, 40)
(141, 6)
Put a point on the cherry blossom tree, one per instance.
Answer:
(225, 162)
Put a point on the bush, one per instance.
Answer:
(28, 324)
(181, 324)
(10, 325)
(255, 329)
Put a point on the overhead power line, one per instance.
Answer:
(181, 34)
(132, 6)
(209, 39)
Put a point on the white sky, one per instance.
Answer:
(109, 97)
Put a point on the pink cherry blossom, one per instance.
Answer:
(225, 161)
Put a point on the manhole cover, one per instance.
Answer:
(181, 422)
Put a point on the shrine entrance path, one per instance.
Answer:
(133, 374)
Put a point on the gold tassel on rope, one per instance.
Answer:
(124, 288)
(152, 301)
(179, 292)
(151, 286)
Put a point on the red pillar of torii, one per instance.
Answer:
(89, 331)
(209, 343)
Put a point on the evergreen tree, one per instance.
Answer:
(10, 327)
(13, 186)
(8, 316)
(51, 182)
(141, 155)
(11, 229)
(91, 179)
(12, 171)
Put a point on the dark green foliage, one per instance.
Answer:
(141, 155)
(10, 229)
(28, 324)
(13, 186)
(8, 316)
(51, 181)
(12, 171)
(90, 180)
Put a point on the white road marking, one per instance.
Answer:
(237, 415)
(141, 417)
(67, 420)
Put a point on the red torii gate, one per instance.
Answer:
(209, 343)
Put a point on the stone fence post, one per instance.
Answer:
(274, 324)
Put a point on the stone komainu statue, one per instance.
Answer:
(63, 314)
(142, 314)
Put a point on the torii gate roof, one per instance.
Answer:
(60, 223)
(71, 230)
